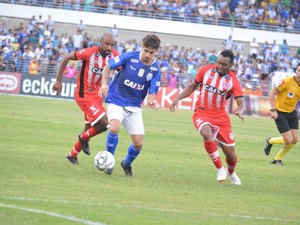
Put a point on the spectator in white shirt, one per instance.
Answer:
(77, 41)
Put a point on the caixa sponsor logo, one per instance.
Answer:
(97, 70)
(8, 82)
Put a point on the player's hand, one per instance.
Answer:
(173, 105)
(57, 86)
(103, 91)
(239, 115)
(153, 104)
(274, 115)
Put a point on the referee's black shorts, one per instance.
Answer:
(286, 121)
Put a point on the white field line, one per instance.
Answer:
(53, 214)
(212, 214)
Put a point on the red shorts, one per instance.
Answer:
(220, 124)
(91, 106)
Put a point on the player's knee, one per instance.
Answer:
(114, 130)
(137, 145)
(295, 141)
(100, 127)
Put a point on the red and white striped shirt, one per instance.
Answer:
(214, 88)
(93, 63)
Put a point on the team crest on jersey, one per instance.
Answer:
(153, 68)
(149, 76)
(134, 60)
(226, 85)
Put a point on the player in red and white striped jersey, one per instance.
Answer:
(86, 93)
(217, 83)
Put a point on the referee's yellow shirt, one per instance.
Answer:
(288, 96)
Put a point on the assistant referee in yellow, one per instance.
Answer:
(284, 98)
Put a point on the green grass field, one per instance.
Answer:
(174, 181)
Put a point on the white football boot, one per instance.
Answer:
(233, 177)
(221, 174)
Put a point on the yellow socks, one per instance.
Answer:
(276, 140)
(285, 149)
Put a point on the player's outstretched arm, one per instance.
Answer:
(185, 93)
(58, 85)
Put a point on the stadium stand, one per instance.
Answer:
(24, 43)
(282, 16)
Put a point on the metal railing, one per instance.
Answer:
(151, 12)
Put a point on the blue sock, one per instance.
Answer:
(111, 142)
(131, 155)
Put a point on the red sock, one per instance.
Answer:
(213, 153)
(231, 164)
(76, 149)
(86, 135)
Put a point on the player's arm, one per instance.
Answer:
(104, 86)
(241, 107)
(153, 89)
(239, 98)
(272, 95)
(186, 92)
(58, 84)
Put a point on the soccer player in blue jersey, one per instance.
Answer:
(139, 76)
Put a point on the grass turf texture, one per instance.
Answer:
(174, 181)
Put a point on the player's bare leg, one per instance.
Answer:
(97, 128)
(231, 159)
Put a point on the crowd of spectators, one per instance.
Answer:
(274, 15)
(37, 49)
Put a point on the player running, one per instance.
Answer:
(86, 93)
(217, 82)
(140, 75)
(283, 99)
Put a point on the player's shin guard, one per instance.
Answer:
(111, 142)
(231, 164)
(86, 135)
(76, 149)
(212, 150)
(131, 155)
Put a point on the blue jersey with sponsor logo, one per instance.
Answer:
(134, 81)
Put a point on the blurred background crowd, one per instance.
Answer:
(36, 48)
(274, 15)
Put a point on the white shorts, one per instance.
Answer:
(130, 116)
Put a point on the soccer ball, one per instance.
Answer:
(104, 160)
